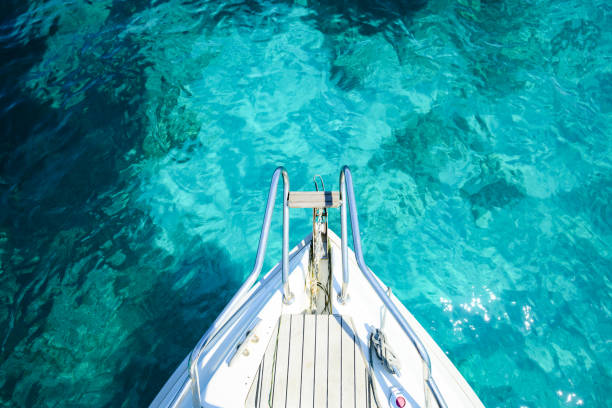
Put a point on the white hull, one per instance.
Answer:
(224, 385)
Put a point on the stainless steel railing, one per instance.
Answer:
(235, 308)
(207, 340)
(347, 197)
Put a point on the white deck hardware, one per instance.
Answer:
(314, 199)
(241, 348)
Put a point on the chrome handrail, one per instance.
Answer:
(347, 196)
(205, 342)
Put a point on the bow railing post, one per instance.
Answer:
(234, 303)
(348, 198)
(344, 234)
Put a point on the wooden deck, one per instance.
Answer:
(313, 361)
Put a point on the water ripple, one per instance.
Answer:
(138, 140)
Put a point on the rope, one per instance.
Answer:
(384, 352)
(317, 253)
(370, 376)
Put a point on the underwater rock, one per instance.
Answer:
(495, 187)
(369, 18)
(116, 259)
(365, 61)
(172, 121)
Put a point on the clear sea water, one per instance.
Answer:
(138, 139)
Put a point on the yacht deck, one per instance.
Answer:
(312, 361)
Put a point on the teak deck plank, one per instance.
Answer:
(347, 348)
(334, 360)
(308, 362)
(361, 376)
(296, 351)
(312, 361)
(320, 380)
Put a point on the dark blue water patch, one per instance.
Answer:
(122, 11)
(55, 173)
(20, 114)
(186, 316)
(202, 280)
(333, 17)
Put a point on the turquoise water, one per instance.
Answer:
(138, 139)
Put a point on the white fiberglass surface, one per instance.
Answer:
(227, 385)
